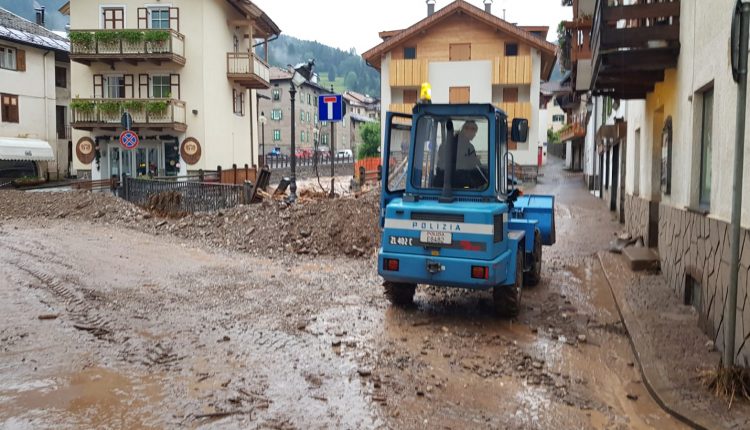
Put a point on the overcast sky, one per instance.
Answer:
(355, 23)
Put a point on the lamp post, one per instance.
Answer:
(302, 73)
(263, 120)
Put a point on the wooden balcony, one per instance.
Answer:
(154, 114)
(154, 46)
(572, 131)
(401, 107)
(516, 110)
(512, 70)
(632, 46)
(408, 73)
(248, 70)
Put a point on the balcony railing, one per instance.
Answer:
(408, 73)
(512, 70)
(63, 132)
(572, 131)
(632, 45)
(109, 46)
(248, 70)
(149, 113)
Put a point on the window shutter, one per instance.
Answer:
(174, 83)
(143, 89)
(20, 60)
(174, 18)
(142, 17)
(98, 86)
(129, 90)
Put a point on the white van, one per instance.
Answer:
(344, 153)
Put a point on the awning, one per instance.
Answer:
(12, 148)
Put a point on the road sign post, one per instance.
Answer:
(331, 108)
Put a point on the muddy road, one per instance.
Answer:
(107, 327)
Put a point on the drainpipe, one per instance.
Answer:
(739, 152)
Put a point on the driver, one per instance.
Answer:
(467, 161)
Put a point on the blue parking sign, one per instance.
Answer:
(330, 107)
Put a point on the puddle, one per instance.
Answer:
(93, 398)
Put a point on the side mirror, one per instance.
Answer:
(520, 130)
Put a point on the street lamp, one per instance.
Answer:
(263, 121)
(302, 73)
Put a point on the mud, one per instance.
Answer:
(156, 331)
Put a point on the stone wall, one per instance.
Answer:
(695, 245)
(636, 216)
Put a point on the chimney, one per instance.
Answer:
(40, 16)
(430, 7)
(488, 6)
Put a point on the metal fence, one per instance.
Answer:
(283, 161)
(177, 197)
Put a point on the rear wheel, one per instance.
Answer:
(507, 298)
(400, 294)
(534, 275)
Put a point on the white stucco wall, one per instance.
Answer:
(477, 75)
(35, 88)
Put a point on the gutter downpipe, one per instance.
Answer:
(731, 304)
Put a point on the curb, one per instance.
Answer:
(659, 399)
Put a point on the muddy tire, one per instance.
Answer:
(400, 294)
(507, 298)
(534, 275)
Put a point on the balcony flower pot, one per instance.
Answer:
(108, 41)
(110, 111)
(157, 41)
(82, 41)
(157, 110)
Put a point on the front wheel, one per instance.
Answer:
(534, 275)
(400, 294)
(507, 298)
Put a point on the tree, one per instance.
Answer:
(332, 74)
(552, 136)
(370, 134)
(350, 81)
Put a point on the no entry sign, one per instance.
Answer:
(128, 139)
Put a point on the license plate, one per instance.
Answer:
(401, 241)
(437, 237)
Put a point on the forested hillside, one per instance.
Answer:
(346, 70)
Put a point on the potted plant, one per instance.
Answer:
(110, 110)
(82, 41)
(134, 106)
(157, 109)
(132, 40)
(82, 109)
(156, 40)
(108, 40)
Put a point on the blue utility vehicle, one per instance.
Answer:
(448, 215)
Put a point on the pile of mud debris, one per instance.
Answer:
(314, 225)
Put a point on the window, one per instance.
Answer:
(9, 108)
(308, 116)
(276, 114)
(113, 18)
(460, 52)
(470, 169)
(309, 99)
(238, 100)
(61, 77)
(159, 17)
(316, 117)
(511, 49)
(302, 116)
(114, 87)
(235, 44)
(706, 137)
(7, 58)
(277, 135)
(276, 93)
(558, 118)
(301, 136)
(410, 53)
(160, 87)
(510, 95)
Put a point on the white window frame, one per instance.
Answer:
(161, 7)
(106, 86)
(11, 54)
(152, 86)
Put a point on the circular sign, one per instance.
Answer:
(128, 139)
(85, 150)
(190, 150)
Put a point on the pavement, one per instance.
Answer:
(673, 354)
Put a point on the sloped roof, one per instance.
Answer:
(395, 37)
(20, 30)
(262, 21)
